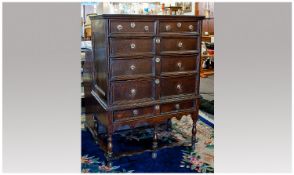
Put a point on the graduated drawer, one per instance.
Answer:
(123, 91)
(178, 44)
(177, 106)
(176, 64)
(171, 86)
(128, 26)
(133, 113)
(178, 26)
(130, 46)
(131, 68)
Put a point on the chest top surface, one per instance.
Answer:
(132, 16)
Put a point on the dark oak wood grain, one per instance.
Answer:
(174, 45)
(171, 86)
(124, 69)
(132, 26)
(120, 47)
(133, 113)
(132, 90)
(178, 26)
(175, 107)
(178, 65)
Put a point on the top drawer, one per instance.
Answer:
(178, 26)
(126, 26)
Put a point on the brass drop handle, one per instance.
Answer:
(133, 25)
(133, 46)
(119, 27)
(157, 81)
(177, 106)
(157, 40)
(179, 64)
(132, 67)
(191, 27)
(179, 25)
(179, 87)
(146, 28)
(167, 27)
(133, 92)
(157, 107)
(180, 44)
(157, 60)
(135, 112)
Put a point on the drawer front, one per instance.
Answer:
(177, 85)
(175, 45)
(123, 26)
(132, 90)
(178, 64)
(133, 113)
(174, 107)
(128, 47)
(131, 67)
(178, 26)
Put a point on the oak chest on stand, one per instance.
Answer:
(145, 69)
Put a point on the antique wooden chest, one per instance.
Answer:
(145, 70)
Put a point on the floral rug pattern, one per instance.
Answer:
(94, 165)
(203, 156)
(199, 160)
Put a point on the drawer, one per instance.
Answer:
(124, 26)
(173, 107)
(130, 46)
(170, 86)
(121, 68)
(171, 64)
(123, 91)
(176, 45)
(178, 26)
(133, 113)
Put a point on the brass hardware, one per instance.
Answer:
(179, 64)
(191, 27)
(132, 67)
(177, 106)
(179, 25)
(180, 44)
(157, 60)
(179, 87)
(146, 28)
(133, 25)
(133, 46)
(119, 27)
(157, 40)
(135, 112)
(157, 107)
(133, 92)
(157, 81)
(167, 27)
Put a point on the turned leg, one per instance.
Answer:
(194, 131)
(91, 125)
(109, 150)
(155, 137)
(195, 118)
(155, 143)
(96, 124)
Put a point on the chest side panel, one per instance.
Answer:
(99, 45)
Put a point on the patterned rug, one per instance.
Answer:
(176, 159)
